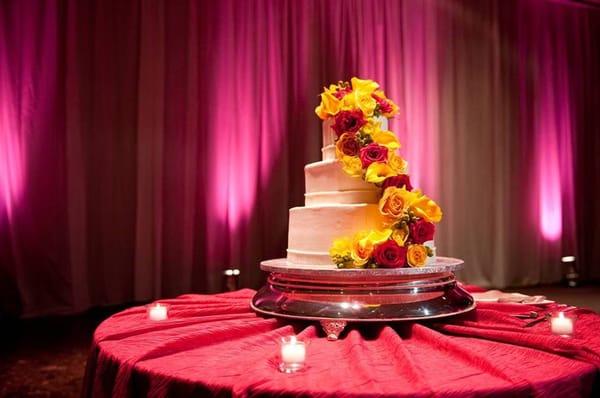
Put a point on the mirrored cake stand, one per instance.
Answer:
(334, 297)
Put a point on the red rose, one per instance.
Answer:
(348, 145)
(348, 122)
(384, 105)
(373, 153)
(398, 181)
(390, 255)
(421, 231)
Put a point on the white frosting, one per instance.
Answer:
(328, 152)
(313, 229)
(341, 197)
(328, 176)
(328, 133)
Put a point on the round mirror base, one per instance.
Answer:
(336, 297)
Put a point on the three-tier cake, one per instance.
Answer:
(360, 208)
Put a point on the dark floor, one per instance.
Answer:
(46, 357)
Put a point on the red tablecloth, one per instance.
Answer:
(215, 345)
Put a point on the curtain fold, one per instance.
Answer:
(145, 146)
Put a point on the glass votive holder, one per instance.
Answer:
(293, 354)
(157, 311)
(563, 324)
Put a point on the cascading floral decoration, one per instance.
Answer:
(367, 151)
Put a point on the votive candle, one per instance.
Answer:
(561, 325)
(293, 354)
(158, 312)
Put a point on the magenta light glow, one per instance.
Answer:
(248, 125)
(421, 96)
(553, 138)
(12, 169)
(549, 193)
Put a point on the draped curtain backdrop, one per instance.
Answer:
(147, 145)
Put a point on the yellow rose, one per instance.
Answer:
(395, 202)
(341, 247)
(340, 252)
(372, 127)
(400, 236)
(362, 248)
(367, 86)
(396, 163)
(416, 255)
(386, 139)
(348, 102)
(378, 172)
(365, 102)
(351, 165)
(427, 209)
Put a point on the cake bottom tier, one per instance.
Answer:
(313, 229)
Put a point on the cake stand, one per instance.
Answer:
(334, 297)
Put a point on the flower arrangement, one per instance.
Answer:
(367, 151)
(364, 149)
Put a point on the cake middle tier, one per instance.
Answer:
(328, 183)
(312, 230)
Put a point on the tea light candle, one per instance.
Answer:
(561, 325)
(158, 312)
(293, 354)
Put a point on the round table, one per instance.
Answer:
(215, 345)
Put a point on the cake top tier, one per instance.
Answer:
(355, 130)
(355, 133)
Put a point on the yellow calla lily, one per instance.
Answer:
(376, 237)
(427, 209)
(377, 172)
(386, 139)
(367, 86)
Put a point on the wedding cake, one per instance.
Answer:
(361, 210)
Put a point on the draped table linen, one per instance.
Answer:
(215, 345)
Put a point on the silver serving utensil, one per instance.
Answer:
(528, 315)
(546, 316)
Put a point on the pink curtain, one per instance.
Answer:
(147, 145)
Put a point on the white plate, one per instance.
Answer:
(497, 296)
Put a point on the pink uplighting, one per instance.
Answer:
(421, 97)
(549, 194)
(248, 127)
(553, 138)
(11, 150)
